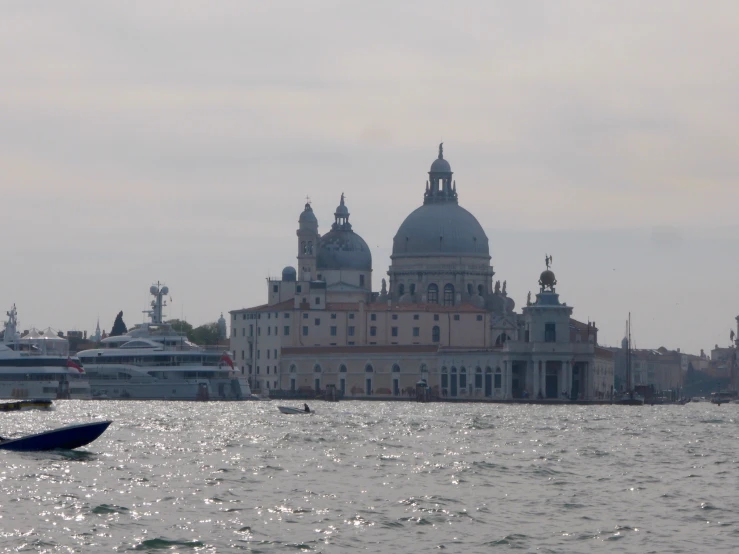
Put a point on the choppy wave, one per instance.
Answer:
(404, 477)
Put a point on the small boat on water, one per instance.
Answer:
(291, 410)
(37, 404)
(65, 438)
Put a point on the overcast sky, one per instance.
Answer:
(177, 141)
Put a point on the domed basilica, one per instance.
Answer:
(438, 328)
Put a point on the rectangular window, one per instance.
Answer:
(394, 331)
(269, 330)
(242, 355)
(436, 317)
(287, 315)
(373, 317)
(333, 316)
(416, 316)
(318, 300)
(286, 330)
(351, 316)
(350, 331)
(479, 318)
(456, 317)
(416, 331)
(526, 336)
(299, 289)
(333, 330)
(244, 316)
(267, 370)
(257, 370)
(275, 330)
(550, 332)
(259, 354)
(395, 316)
(316, 321)
(373, 331)
(305, 316)
(269, 316)
(275, 354)
(243, 331)
(234, 331)
(268, 355)
(305, 331)
(361, 280)
(251, 330)
(259, 331)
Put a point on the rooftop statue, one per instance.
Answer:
(528, 299)
(504, 291)
(497, 287)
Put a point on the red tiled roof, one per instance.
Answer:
(603, 353)
(363, 349)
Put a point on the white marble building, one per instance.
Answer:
(441, 318)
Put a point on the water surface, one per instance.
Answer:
(376, 476)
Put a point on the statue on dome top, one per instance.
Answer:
(504, 291)
(441, 150)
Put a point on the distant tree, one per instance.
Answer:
(181, 327)
(205, 334)
(119, 328)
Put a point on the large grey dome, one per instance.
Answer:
(443, 229)
(440, 165)
(340, 249)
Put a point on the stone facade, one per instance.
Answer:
(441, 321)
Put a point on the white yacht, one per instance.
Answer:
(38, 365)
(154, 362)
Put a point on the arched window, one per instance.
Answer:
(449, 294)
(310, 247)
(478, 377)
(454, 370)
(369, 369)
(463, 378)
(396, 368)
(502, 339)
(469, 289)
(293, 369)
(424, 368)
(401, 289)
(436, 334)
(488, 370)
(432, 294)
(480, 290)
(342, 368)
(317, 368)
(413, 288)
(304, 248)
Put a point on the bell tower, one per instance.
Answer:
(440, 187)
(307, 244)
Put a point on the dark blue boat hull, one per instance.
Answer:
(70, 437)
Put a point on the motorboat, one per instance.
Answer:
(153, 361)
(292, 411)
(66, 438)
(38, 365)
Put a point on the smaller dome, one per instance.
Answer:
(547, 278)
(307, 217)
(341, 209)
(289, 274)
(440, 165)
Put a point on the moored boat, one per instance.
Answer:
(35, 404)
(153, 361)
(38, 365)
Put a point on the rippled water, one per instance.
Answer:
(377, 476)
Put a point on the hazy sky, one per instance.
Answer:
(177, 141)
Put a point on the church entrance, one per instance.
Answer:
(488, 383)
(368, 386)
(454, 384)
(577, 376)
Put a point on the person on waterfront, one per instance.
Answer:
(306, 408)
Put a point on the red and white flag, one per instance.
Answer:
(226, 358)
(71, 363)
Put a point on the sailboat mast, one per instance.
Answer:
(628, 359)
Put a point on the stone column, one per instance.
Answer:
(543, 378)
(567, 370)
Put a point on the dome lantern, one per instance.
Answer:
(440, 187)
